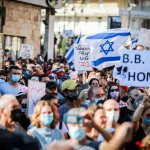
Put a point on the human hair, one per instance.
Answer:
(109, 90)
(3, 72)
(102, 73)
(145, 110)
(49, 97)
(94, 108)
(92, 88)
(35, 118)
(14, 67)
(6, 99)
(42, 76)
(90, 82)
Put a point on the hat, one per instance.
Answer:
(51, 84)
(55, 69)
(69, 85)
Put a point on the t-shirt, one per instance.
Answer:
(7, 88)
(125, 115)
(82, 147)
(46, 135)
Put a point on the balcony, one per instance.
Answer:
(137, 12)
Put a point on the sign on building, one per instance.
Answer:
(26, 51)
(35, 91)
(134, 68)
(82, 57)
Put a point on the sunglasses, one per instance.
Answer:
(114, 90)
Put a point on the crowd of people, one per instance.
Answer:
(80, 111)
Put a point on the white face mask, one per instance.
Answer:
(112, 116)
(114, 95)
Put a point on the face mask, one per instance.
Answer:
(2, 81)
(15, 78)
(114, 95)
(72, 96)
(87, 102)
(99, 100)
(77, 133)
(112, 116)
(146, 121)
(46, 119)
(16, 114)
(24, 108)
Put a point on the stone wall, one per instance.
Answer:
(23, 20)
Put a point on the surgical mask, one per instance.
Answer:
(112, 116)
(15, 78)
(99, 100)
(77, 133)
(87, 102)
(2, 81)
(16, 115)
(114, 95)
(46, 119)
(146, 121)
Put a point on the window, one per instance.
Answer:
(114, 22)
(13, 44)
(146, 23)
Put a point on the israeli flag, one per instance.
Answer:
(70, 54)
(105, 46)
(134, 43)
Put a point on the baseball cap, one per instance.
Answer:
(69, 85)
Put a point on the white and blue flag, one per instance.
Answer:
(70, 54)
(134, 43)
(105, 46)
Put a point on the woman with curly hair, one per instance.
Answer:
(44, 120)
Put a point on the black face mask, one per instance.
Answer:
(16, 115)
(72, 96)
(24, 108)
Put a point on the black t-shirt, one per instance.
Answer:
(19, 141)
(139, 135)
(125, 115)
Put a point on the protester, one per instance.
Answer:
(10, 113)
(97, 95)
(44, 120)
(13, 86)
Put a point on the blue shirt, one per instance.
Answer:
(7, 88)
(46, 135)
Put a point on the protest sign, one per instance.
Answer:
(67, 33)
(26, 51)
(82, 57)
(35, 92)
(144, 37)
(134, 68)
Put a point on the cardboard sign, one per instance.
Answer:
(144, 37)
(134, 68)
(35, 91)
(26, 51)
(82, 57)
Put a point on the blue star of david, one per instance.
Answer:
(106, 51)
